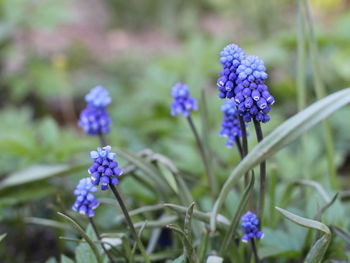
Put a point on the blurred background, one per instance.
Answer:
(53, 52)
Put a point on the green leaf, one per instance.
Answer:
(235, 221)
(326, 206)
(223, 222)
(2, 236)
(51, 260)
(190, 252)
(342, 234)
(319, 249)
(169, 177)
(188, 222)
(46, 222)
(65, 259)
(279, 138)
(38, 172)
(26, 193)
(85, 236)
(180, 259)
(147, 168)
(309, 223)
(215, 259)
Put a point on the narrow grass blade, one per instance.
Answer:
(342, 234)
(81, 231)
(320, 91)
(139, 235)
(319, 248)
(2, 236)
(146, 167)
(188, 222)
(190, 252)
(37, 173)
(279, 138)
(223, 222)
(325, 207)
(235, 221)
(304, 222)
(46, 222)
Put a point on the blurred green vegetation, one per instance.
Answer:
(53, 52)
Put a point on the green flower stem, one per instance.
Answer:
(244, 136)
(259, 136)
(129, 222)
(239, 146)
(244, 146)
(207, 163)
(255, 252)
(102, 138)
(99, 239)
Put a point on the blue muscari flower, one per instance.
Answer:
(104, 169)
(230, 125)
(230, 58)
(251, 94)
(183, 103)
(85, 203)
(250, 225)
(95, 120)
(98, 97)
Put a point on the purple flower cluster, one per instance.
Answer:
(243, 78)
(250, 225)
(183, 103)
(230, 125)
(230, 59)
(94, 119)
(104, 169)
(251, 94)
(85, 203)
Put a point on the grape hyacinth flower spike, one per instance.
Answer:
(252, 96)
(231, 128)
(94, 119)
(85, 203)
(183, 103)
(105, 169)
(251, 225)
(230, 58)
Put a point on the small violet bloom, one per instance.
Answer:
(251, 94)
(98, 97)
(94, 119)
(183, 103)
(231, 128)
(104, 169)
(85, 203)
(230, 58)
(250, 225)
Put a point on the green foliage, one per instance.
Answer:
(53, 52)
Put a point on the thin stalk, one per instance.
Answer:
(259, 136)
(244, 145)
(320, 91)
(99, 239)
(129, 221)
(239, 146)
(301, 82)
(244, 136)
(255, 252)
(102, 138)
(207, 163)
